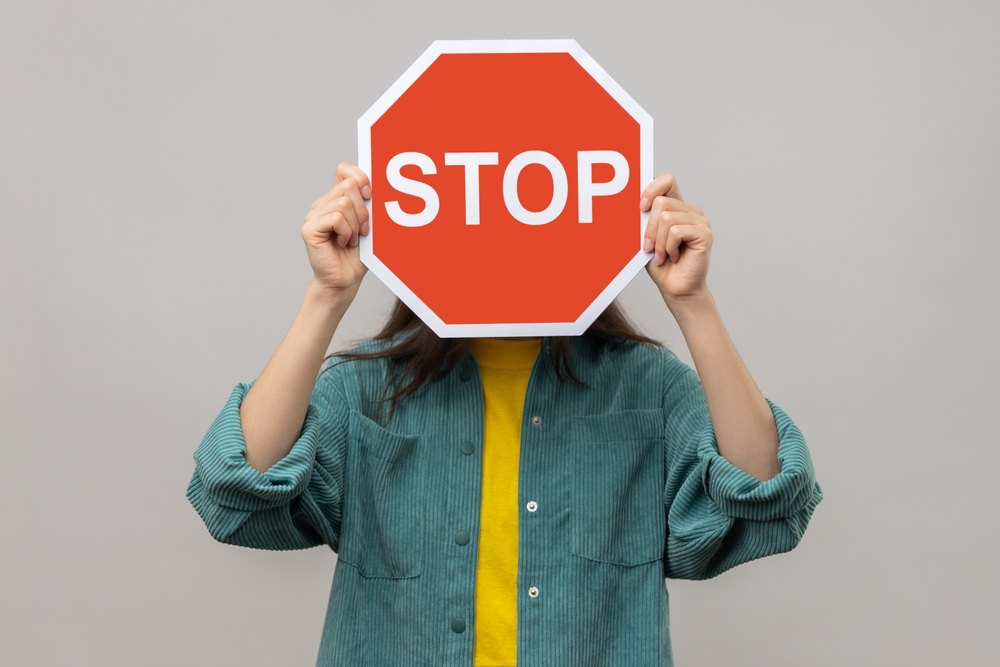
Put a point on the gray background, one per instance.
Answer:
(157, 160)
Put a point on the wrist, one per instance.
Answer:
(330, 301)
(690, 305)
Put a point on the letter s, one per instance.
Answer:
(408, 186)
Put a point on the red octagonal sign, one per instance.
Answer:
(506, 178)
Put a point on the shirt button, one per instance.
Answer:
(468, 448)
(461, 538)
(532, 505)
(533, 591)
(536, 420)
(465, 374)
(458, 625)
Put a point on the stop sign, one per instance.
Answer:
(506, 178)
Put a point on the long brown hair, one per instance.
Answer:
(418, 356)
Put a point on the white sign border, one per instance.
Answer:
(533, 329)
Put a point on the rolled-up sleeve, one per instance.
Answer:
(718, 516)
(295, 504)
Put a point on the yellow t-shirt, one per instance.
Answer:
(505, 367)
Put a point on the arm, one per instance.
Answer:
(273, 411)
(269, 471)
(680, 236)
(719, 516)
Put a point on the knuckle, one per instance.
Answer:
(697, 211)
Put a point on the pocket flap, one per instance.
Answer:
(618, 426)
(380, 441)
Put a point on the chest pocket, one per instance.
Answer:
(617, 512)
(383, 535)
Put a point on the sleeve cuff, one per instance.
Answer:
(228, 480)
(742, 496)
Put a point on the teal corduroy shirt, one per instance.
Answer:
(628, 484)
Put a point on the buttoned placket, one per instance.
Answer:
(532, 520)
(464, 493)
(464, 507)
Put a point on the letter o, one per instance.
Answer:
(560, 187)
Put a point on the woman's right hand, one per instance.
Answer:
(331, 231)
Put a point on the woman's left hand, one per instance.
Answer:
(680, 237)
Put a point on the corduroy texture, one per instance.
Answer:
(625, 470)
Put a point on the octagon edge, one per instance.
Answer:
(612, 87)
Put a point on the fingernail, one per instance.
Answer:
(647, 245)
(643, 203)
(364, 228)
(366, 192)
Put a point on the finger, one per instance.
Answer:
(323, 202)
(351, 200)
(345, 226)
(317, 229)
(679, 205)
(664, 185)
(652, 225)
(661, 204)
(334, 221)
(667, 220)
(352, 189)
(347, 170)
(690, 235)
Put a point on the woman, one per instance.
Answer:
(502, 502)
